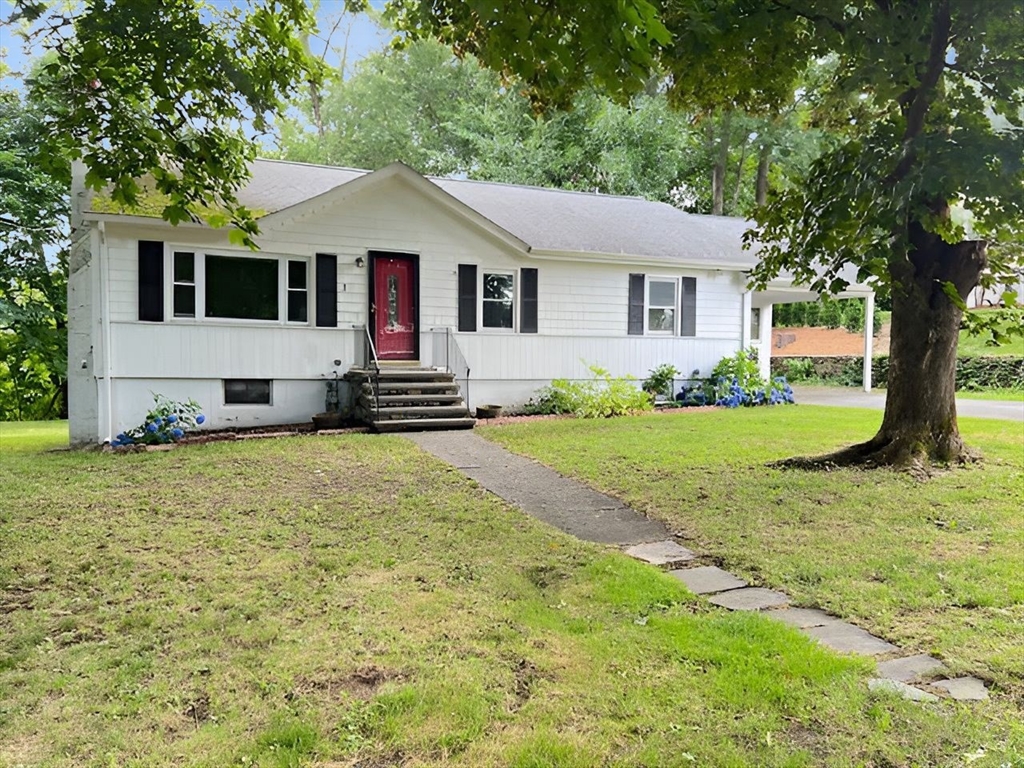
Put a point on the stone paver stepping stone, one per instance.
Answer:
(749, 599)
(663, 553)
(963, 688)
(708, 579)
(904, 690)
(847, 638)
(910, 668)
(802, 618)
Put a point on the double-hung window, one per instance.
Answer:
(184, 271)
(662, 300)
(661, 306)
(499, 300)
(298, 292)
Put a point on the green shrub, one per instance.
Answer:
(660, 380)
(739, 370)
(853, 315)
(972, 373)
(601, 397)
(831, 313)
(799, 369)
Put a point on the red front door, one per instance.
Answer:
(394, 306)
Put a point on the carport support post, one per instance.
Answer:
(869, 337)
(764, 352)
(748, 297)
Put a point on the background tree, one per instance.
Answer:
(33, 265)
(929, 99)
(448, 116)
(169, 93)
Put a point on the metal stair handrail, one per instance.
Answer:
(370, 357)
(455, 361)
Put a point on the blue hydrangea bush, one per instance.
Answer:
(736, 381)
(168, 421)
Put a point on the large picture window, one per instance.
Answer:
(499, 300)
(241, 288)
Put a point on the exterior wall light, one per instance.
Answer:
(360, 262)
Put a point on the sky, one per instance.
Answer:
(363, 36)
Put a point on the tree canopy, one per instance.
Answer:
(449, 116)
(33, 265)
(169, 93)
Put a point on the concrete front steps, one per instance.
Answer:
(410, 398)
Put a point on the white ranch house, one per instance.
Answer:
(521, 284)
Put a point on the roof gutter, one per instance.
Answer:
(601, 257)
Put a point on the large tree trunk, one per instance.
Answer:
(919, 427)
(763, 164)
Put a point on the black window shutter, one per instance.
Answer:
(528, 301)
(467, 297)
(636, 305)
(689, 308)
(326, 290)
(151, 281)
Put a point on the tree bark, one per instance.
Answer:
(763, 164)
(718, 171)
(919, 427)
(739, 179)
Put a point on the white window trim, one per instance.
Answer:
(514, 273)
(200, 318)
(676, 313)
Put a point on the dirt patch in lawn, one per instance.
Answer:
(814, 342)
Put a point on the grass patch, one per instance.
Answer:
(934, 567)
(1012, 395)
(350, 601)
(32, 435)
(982, 345)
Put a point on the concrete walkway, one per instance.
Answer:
(580, 511)
(857, 398)
(541, 492)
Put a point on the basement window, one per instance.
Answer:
(247, 391)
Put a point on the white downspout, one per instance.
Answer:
(869, 337)
(108, 363)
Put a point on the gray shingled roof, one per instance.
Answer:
(545, 219)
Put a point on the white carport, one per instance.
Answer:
(783, 291)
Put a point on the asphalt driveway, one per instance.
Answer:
(852, 397)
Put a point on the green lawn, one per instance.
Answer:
(33, 435)
(933, 566)
(1013, 395)
(351, 601)
(977, 346)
